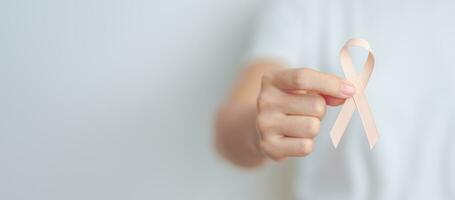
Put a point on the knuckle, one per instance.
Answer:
(266, 78)
(263, 146)
(269, 149)
(305, 147)
(268, 75)
(276, 158)
(319, 106)
(263, 124)
(314, 125)
(301, 78)
(264, 101)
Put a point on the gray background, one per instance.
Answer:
(114, 100)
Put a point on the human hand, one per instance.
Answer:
(291, 105)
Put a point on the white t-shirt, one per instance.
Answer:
(411, 93)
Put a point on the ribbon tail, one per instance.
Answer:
(342, 121)
(367, 119)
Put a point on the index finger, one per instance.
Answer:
(312, 80)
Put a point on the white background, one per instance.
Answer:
(115, 100)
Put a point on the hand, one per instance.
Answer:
(291, 105)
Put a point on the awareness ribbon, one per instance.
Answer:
(359, 99)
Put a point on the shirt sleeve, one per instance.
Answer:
(278, 35)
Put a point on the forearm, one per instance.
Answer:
(236, 136)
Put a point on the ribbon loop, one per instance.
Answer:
(359, 100)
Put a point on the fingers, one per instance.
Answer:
(273, 100)
(307, 104)
(288, 126)
(284, 136)
(308, 79)
(291, 105)
(300, 126)
(279, 148)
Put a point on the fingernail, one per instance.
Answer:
(347, 89)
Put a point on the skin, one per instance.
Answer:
(275, 112)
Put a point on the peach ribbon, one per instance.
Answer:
(359, 100)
